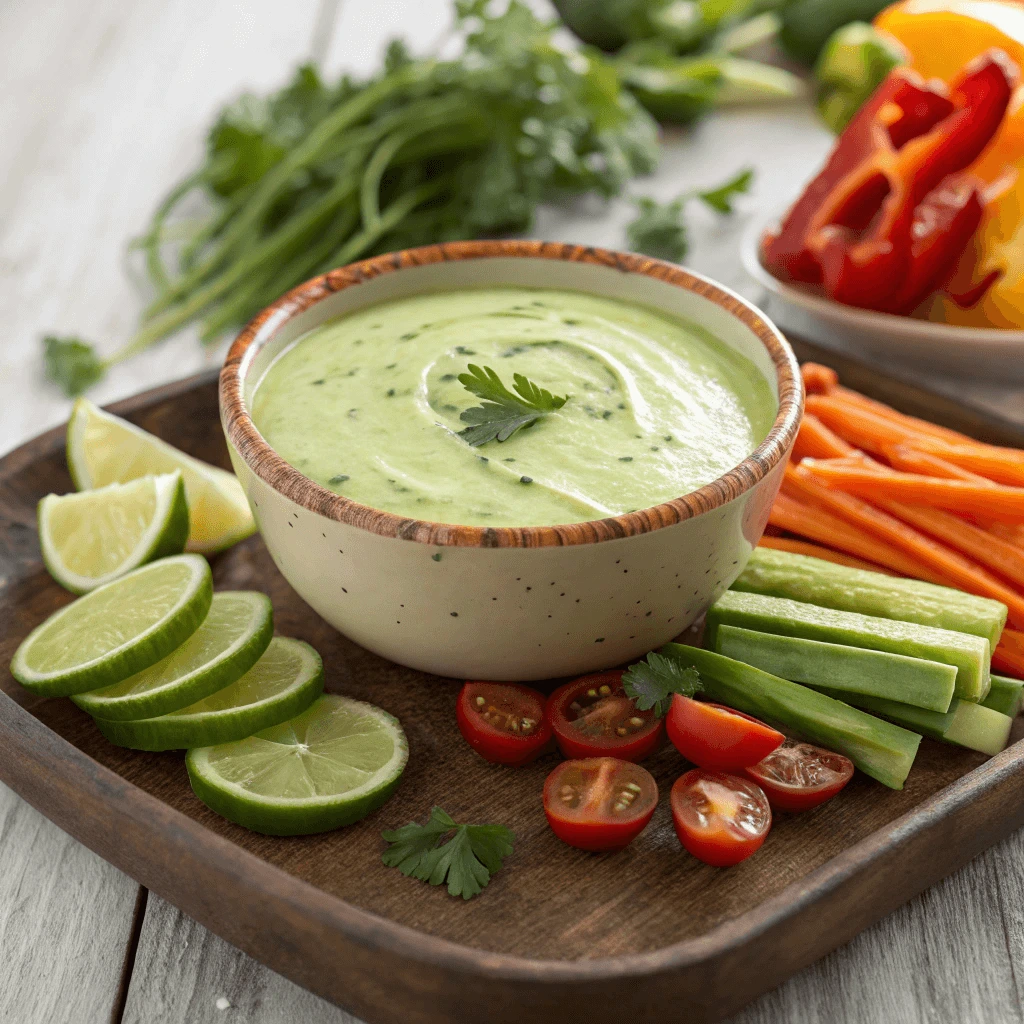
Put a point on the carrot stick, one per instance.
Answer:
(818, 379)
(913, 424)
(824, 527)
(860, 427)
(913, 460)
(1004, 465)
(1012, 533)
(1008, 656)
(957, 570)
(1005, 503)
(802, 547)
(1011, 640)
(999, 556)
(816, 441)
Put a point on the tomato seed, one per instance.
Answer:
(480, 702)
(636, 722)
(605, 691)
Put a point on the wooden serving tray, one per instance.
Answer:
(559, 935)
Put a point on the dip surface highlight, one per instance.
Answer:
(368, 405)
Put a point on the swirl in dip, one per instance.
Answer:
(368, 405)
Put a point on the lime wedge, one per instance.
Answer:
(334, 764)
(105, 449)
(286, 680)
(235, 633)
(116, 630)
(92, 537)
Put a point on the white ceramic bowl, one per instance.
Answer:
(976, 352)
(508, 603)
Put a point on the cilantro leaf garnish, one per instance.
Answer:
(72, 364)
(652, 682)
(720, 199)
(466, 860)
(660, 229)
(502, 413)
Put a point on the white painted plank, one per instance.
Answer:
(944, 958)
(186, 975)
(65, 920)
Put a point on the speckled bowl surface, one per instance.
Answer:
(508, 602)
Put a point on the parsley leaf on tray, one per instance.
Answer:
(71, 363)
(466, 860)
(502, 413)
(720, 199)
(660, 230)
(652, 682)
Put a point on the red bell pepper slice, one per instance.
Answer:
(880, 227)
(901, 108)
(943, 225)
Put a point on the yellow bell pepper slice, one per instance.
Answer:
(941, 36)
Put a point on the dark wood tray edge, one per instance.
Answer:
(390, 970)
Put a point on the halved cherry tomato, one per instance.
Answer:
(715, 737)
(599, 803)
(798, 776)
(721, 819)
(592, 716)
(503, 722)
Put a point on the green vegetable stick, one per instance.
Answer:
(969, 654)
(853, 64)
(925, 684)
(879, 749)
(965, 724)
(1006, 695)
(802, 578)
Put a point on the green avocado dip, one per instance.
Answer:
(369, 406)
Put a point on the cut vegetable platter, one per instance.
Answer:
(559, 934)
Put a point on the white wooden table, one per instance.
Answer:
(102, 106)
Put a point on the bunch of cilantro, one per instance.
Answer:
(428, 150)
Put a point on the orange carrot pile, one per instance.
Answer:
(872, 487)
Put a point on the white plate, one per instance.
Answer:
(975, 352)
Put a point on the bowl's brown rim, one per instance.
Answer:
(265, 462)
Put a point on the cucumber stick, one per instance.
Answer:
(814, 581)
(925, 684)
(968, 654)
(878, 748)
(965, 724)
(1006, 695)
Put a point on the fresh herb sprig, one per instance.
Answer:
(660, 229)
(502, 413)
(466, 860)
(319, 174)
(652, 682)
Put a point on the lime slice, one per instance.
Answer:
(116, 630)
(235, 633)
(92, 537)
(286, 680)
(105, 449)
(334, 764)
